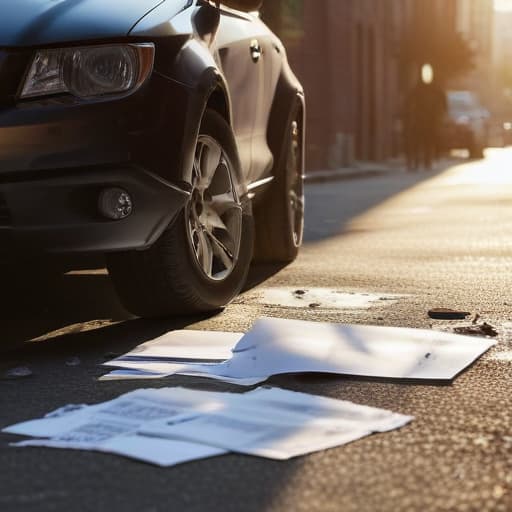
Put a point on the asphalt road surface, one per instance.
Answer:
(435, 239)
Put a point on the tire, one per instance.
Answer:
(279, 218)
(200, 262)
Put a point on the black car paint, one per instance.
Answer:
(33, 23)
(57, 153)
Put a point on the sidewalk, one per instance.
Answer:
(358, 170)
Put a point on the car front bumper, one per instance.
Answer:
(58, 154)
(59, 212)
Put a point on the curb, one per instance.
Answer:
(346, 174)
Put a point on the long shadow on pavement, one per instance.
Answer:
(331, 206)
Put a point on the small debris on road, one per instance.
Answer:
(475, 319)
(73, 361)
(315, 305)
(505, 357)
(447, 314)
(20, 372)
(484, 329)
(299, 294)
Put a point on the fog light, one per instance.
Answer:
(115, 203)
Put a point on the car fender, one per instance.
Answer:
(199, 80)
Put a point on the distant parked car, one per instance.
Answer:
(467, 123)
(166, 135)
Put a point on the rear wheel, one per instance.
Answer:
(279, 218)
(200, 262)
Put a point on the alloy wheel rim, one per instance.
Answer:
(214, 213)
(296, 190)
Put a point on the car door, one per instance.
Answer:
(240, 59)
(270, 62)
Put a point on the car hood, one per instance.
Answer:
(45, 22)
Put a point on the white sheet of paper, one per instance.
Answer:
(158, 451)
(279, 424)
(172, 425)
(127, 374)
(112, 426)
(277, 346)
(178, 347)
(120, 415)
(172, 353)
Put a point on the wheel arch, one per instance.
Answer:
(219, 102)
(289, 93)
(206, 89)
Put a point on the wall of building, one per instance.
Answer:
(349, 56)
(345, 53)
(502, 66)
(475, 21)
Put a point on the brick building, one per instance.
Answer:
(475, 21)
(348, 55)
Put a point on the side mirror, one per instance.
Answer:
(244, 5)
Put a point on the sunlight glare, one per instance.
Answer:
(496, 170)
(503, 5)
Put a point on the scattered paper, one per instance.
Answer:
(173, 425)
(277, 346)
(125, 413)
(280, 424)
(157, 451)
(128, 374)
(184, 346)
(112, 426)
(173, 352)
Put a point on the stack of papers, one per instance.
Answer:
(172, 353)
(280, 346)
(174, 425)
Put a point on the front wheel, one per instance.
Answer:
(201, 261)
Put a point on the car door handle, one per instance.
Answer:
(256, 51)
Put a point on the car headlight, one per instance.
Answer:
(89, 71)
